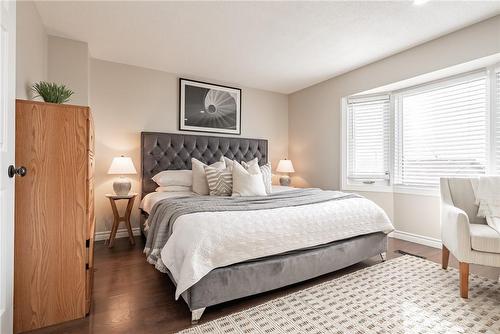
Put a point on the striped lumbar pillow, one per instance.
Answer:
(267, 176)
(220, 181)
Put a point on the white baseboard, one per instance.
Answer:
(121, 233)
(418, 239)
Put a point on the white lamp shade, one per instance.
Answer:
(285, 166)
(122, 165)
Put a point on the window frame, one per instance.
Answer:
(492, 113)
(360, 186)
(494, 116)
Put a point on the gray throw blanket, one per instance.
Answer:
(164, 213)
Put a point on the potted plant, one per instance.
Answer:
(52, 92)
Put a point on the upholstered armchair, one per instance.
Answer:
(465, 235)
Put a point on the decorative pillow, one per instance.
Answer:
(267, 177)
(246, 183)
(174, 178)
(200, 184)
(220, 181)
(173, 188)
(265, 170)
(229, 163)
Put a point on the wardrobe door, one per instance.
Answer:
(90, 214)
(50, 214)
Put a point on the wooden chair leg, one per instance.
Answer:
(445, 256)
(464, 279)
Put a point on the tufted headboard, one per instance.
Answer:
(164, 151)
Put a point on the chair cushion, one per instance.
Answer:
(484, 238)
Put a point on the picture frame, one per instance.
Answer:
(207, 107)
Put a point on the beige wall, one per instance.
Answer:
(315, 128)
(49, 58)
(68, 64)
(31, 49)
(126, 100)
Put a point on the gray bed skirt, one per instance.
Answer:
(273, 272)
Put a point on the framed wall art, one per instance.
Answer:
(208, 107)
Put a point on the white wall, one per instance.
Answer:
(31, 49)
(126, 100)
(68, 64)
(315, 117)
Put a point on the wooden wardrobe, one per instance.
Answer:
(54, 214)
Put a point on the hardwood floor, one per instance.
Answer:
(130, 296)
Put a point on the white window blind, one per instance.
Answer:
(441, 130)
(368, 138)
(496, 115)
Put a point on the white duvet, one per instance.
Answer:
(201, 242)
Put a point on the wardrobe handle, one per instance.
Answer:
(13, 171)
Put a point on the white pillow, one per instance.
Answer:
(167, 178)
(229, 163)
(173, 189)
(199, 180)
(265, 170)
(246, 183)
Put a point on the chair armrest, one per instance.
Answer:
(455, 231)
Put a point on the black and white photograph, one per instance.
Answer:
(209, 108)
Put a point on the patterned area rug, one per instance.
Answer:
(403, 295)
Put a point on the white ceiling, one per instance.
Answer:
(277, 46)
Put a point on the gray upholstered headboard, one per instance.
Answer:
(167, 151)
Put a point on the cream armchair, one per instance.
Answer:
(465, 235)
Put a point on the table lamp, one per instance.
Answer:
(285, 166)
(122, 166)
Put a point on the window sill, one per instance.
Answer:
(392, 189)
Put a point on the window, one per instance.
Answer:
(369, 139)
(442, 131)
(409, 138)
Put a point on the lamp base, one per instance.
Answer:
(285, 180)
(122, 186)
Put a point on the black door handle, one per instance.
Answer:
(21, 171)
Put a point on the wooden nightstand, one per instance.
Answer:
(117, 218)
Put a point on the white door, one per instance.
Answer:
(7, 128)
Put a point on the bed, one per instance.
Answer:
(165, 151)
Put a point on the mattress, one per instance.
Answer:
(151, 199)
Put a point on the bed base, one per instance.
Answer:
(273, 272)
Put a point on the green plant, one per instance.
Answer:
(52, 92)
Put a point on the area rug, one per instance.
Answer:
(402, 295)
